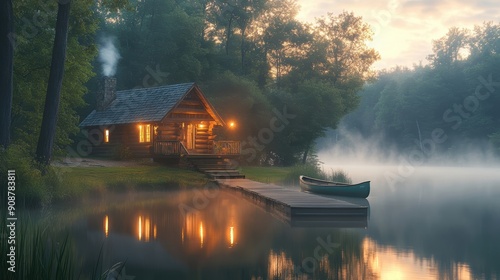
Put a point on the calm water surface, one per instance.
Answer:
(432, 223)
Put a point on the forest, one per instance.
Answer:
(456, 95)
(256, 56)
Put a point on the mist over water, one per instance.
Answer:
(345, 147)
(441, 211)
(108, 56)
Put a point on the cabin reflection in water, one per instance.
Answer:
(197, 231)
(222, 236)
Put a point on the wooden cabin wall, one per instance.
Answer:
(121, 137)
(169, 131)
(189, 110)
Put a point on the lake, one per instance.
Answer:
(426, 223)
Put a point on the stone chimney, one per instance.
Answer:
(106, 92)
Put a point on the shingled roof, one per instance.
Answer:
(139, 105)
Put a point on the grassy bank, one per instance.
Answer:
(63, 183)
(266, 174)
(289, 176)
(77, 181)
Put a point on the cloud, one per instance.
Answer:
(405, 29)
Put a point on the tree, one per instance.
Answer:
(6, 69)
(450, 48)
(341, 54)
(316, 106)
(286, 43)
(249, 109)
(323, 80)
(52, 100)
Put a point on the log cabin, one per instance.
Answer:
(167, 122)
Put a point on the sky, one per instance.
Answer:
(404, 29)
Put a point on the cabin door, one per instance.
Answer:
(190, 136)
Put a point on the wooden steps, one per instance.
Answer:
(216, 167)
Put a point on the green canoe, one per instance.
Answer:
(333, 188)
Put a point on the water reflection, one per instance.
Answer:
(439, 235)
(145, 228)
(106, 226)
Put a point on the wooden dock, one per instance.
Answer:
(293, 206)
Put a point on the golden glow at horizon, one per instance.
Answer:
(106, 136)
(383, 262)
(106, 225)
(144, 133)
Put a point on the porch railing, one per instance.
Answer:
(169, 148)
(177, 148)
(227, 147)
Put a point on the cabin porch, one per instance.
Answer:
(175, 148)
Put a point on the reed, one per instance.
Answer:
(39, 255)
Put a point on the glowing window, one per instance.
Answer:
(106, 136)
(148, 133)
(141, 134)
(144, 133)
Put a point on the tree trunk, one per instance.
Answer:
(6, 69)
(306, 153)
(49, 121)
(243, 50)
(228, 34)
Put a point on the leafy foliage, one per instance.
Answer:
(458, 93)
(35, 21)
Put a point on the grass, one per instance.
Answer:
(266, 174)
(38, 254)
(289, 176)
(78, 181)
(41, 254)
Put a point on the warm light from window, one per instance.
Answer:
(232, 124)
(139, 228)
(148, 133)
(201, 125)
(141, 134)
(201, 235)
(106, 136)
(144, 133)
(231, 236)
(106, 225)
(147, 229)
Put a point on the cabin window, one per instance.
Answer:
(106, 136)
(144, 133)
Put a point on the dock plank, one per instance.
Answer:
(290, 203)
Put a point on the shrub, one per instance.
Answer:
(31, 188)
(122, 152)
(310, 170)
(339, 176)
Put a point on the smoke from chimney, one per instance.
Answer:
(108, 56)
